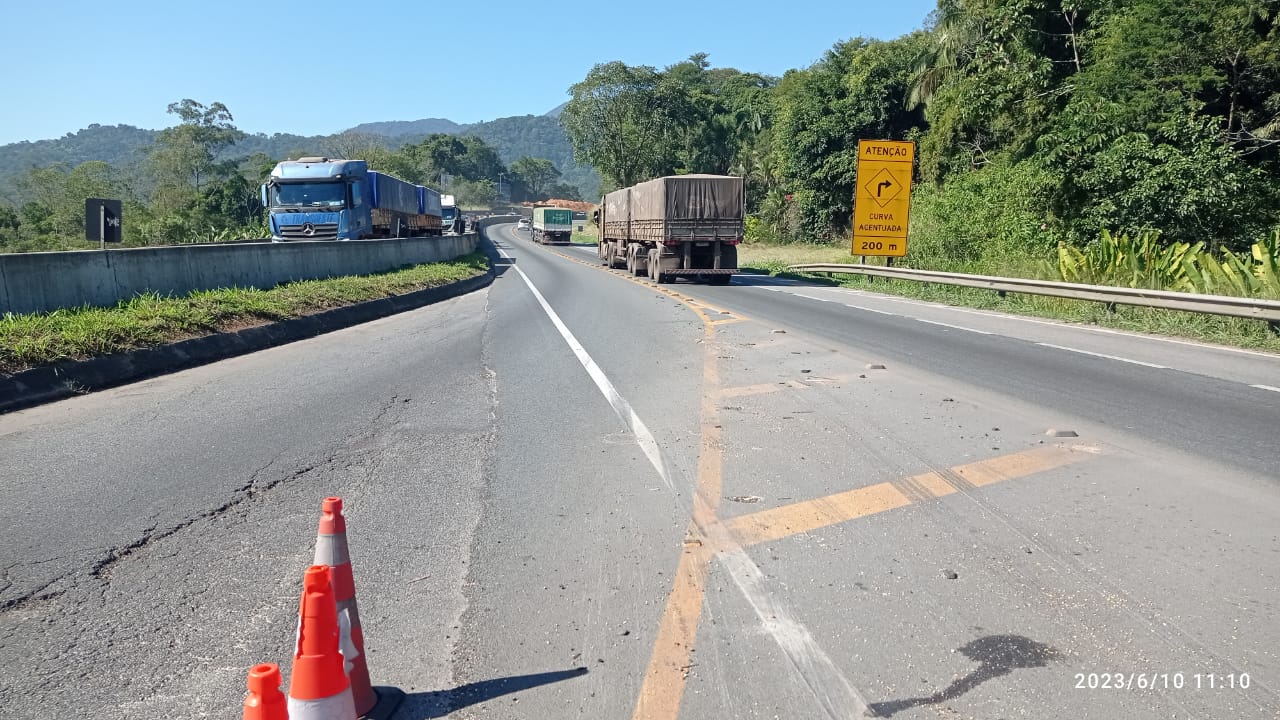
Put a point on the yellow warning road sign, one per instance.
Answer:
(882, 202)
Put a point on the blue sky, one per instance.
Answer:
(323, 66)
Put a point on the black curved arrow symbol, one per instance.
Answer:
(882, 186)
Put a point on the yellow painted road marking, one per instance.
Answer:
(669, 664)
(748, 390)
(664, 680)
(781, 522)
(766, 388)
(813, 514)
(662, 690)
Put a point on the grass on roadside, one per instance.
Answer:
(775, 259)
(581, 238)
(32, 340)
(1239, 332)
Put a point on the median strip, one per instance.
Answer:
(28, 341)
(50, 356)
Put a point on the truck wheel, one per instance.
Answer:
(631, 263)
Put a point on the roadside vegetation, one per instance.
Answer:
(590, 236)
(1129, 142)
(32, 340)
(184, 189)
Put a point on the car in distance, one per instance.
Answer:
(523, 224)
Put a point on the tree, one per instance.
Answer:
(537, 174)
(230, 203)
(854, 92)
(351, 145)
(1166, 125)
(440, 156)
(59, 194)
(480, 193)
(565, 191)
(188, 149)
(626, 121)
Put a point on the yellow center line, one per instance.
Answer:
(669, 664)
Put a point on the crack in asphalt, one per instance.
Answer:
(101, 570)
(443, 703)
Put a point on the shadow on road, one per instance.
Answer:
(997, 655)
(439, 703)
(496, 261)
(754, 277)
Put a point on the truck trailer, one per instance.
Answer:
(317, 198)
(680, 225)
(552, 225)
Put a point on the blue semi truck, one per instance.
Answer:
(317, 198)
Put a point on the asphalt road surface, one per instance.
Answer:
(578, 494)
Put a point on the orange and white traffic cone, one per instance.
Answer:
(331, 550)
(265, 701)
(318, 686)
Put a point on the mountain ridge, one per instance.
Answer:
(124, 146)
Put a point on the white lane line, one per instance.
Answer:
(1070, 326)
(954, 327)
(1101, 355)
(881, 312)
(644, 438)
(1266, 387)
(1051, 323)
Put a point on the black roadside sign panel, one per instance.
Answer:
(102, 220)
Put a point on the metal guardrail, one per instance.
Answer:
(1268, 310)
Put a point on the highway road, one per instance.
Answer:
(578, 494)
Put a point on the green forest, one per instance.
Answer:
(197, 181)
(1114, 141)
(1044, 128)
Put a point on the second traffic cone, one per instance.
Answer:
(318, 686)
(331, 550)
(265, 701)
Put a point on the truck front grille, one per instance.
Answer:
(310, 231)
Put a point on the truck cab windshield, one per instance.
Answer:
(331, 194)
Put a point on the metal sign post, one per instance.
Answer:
(102, 221)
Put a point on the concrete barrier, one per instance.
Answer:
(42, 282)
(496, 220)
